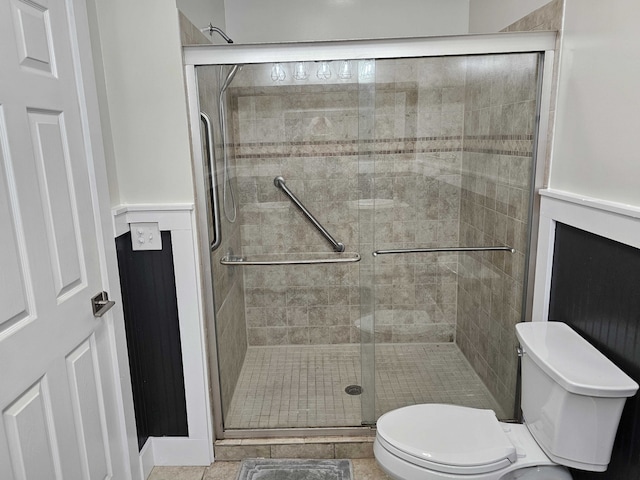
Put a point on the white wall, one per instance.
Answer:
(201, 12)
(105, 121)
(490, 16)
(143, 90)
(256, 21)
(140, 70)
(597, 125)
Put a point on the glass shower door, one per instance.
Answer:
(404, 154)
(453, 150)
(287, 328)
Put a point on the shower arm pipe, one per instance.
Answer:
(279, 183)
(215, 213)
(210, 29)
(499, 248)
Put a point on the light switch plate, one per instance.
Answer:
(145, 236)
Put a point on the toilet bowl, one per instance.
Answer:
(572, 399)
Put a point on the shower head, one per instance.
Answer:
(210, 29)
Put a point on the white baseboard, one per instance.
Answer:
(146, 458)
(173, 451)
(178, 451)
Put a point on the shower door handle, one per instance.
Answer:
(213, 184)
(498, 248)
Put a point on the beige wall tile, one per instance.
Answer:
(303, 451)
(240, 452)
(354, 450)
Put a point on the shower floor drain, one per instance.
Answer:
(353, 389)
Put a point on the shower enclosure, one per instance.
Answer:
(384, 199)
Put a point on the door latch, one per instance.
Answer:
(100, 304)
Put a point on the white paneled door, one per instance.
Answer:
(57, 370)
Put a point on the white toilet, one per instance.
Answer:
(572, 399)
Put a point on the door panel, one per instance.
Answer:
(31, 434)
(51, 148)
(89, 410)
(33, 35)
(16, 294)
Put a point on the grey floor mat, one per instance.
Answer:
(293, 469)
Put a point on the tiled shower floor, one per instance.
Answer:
(304, 386)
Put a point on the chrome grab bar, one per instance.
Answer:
(213, 184)
(445, 249)
(279, 183)
(344, 258)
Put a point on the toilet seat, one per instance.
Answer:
(447, 438)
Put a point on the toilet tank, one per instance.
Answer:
(572, 395)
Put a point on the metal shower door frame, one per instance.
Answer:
(455, 45)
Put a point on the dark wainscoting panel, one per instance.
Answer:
(150, 306)
(595, 289)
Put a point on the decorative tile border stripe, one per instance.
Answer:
(355, 142)
(517, 145)
(501, 137)
(389, 146)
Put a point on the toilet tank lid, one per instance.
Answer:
(572, 361)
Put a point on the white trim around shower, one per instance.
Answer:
(233, 54)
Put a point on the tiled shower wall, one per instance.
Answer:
(316, 136)
(500, 113)
(420, 102)
(308, 135)
(550, 18)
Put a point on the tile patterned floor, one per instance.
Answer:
(292, 386)
(304, 386)
(363, 469)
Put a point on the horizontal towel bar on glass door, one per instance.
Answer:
(270, 260)
(445, 250)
